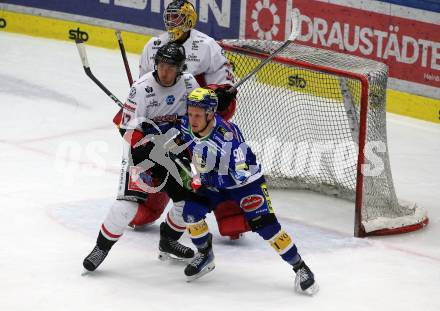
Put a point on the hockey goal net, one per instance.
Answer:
(317, 121)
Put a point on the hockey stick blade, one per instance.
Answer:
(82, 53)
(295, 19)
(86, 66)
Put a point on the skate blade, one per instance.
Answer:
(85, 272)
(312, 290)
(208, 268)
(163, 256)
(141, 228)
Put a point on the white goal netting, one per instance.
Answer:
(307, 114)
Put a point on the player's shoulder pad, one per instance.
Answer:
(145, 79)
(135, 90)
(140, 86)
(201, 37)
(184, 122)
(209, 44)
(157, 41)
(184, 126)
(131, 98)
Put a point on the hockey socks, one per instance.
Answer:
(199, 233)
(167, 231)
(284, 246)
(203, 262)
(103, 243)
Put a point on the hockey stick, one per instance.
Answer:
(293, 35)
(85, 63)
(124, 57)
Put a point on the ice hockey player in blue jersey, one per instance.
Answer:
(228, 168)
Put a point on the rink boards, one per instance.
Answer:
(103, 35)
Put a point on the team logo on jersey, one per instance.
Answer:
(222, 130)
(132, 93)
(170, 99)
(195, 46)
(226, 134)
(251, 202)
(148, 89)
(157, 42)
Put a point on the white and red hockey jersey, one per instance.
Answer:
(149, 100)
(204, 58)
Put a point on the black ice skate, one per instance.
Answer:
(95, 258)
(305, 280)
(202, 263)
(170, 248)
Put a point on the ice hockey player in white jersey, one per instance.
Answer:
(229, 169)
(154, 104)
(206, 61)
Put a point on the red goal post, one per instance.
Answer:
(324, 113)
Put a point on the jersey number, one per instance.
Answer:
(125, 119)
(238, 155)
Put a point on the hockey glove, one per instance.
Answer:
(224, 97)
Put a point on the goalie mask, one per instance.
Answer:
(203, 98)
(171, 53)
(179, 17)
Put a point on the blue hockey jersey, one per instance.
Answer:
(222, 158)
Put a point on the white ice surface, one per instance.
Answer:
(59, 160)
